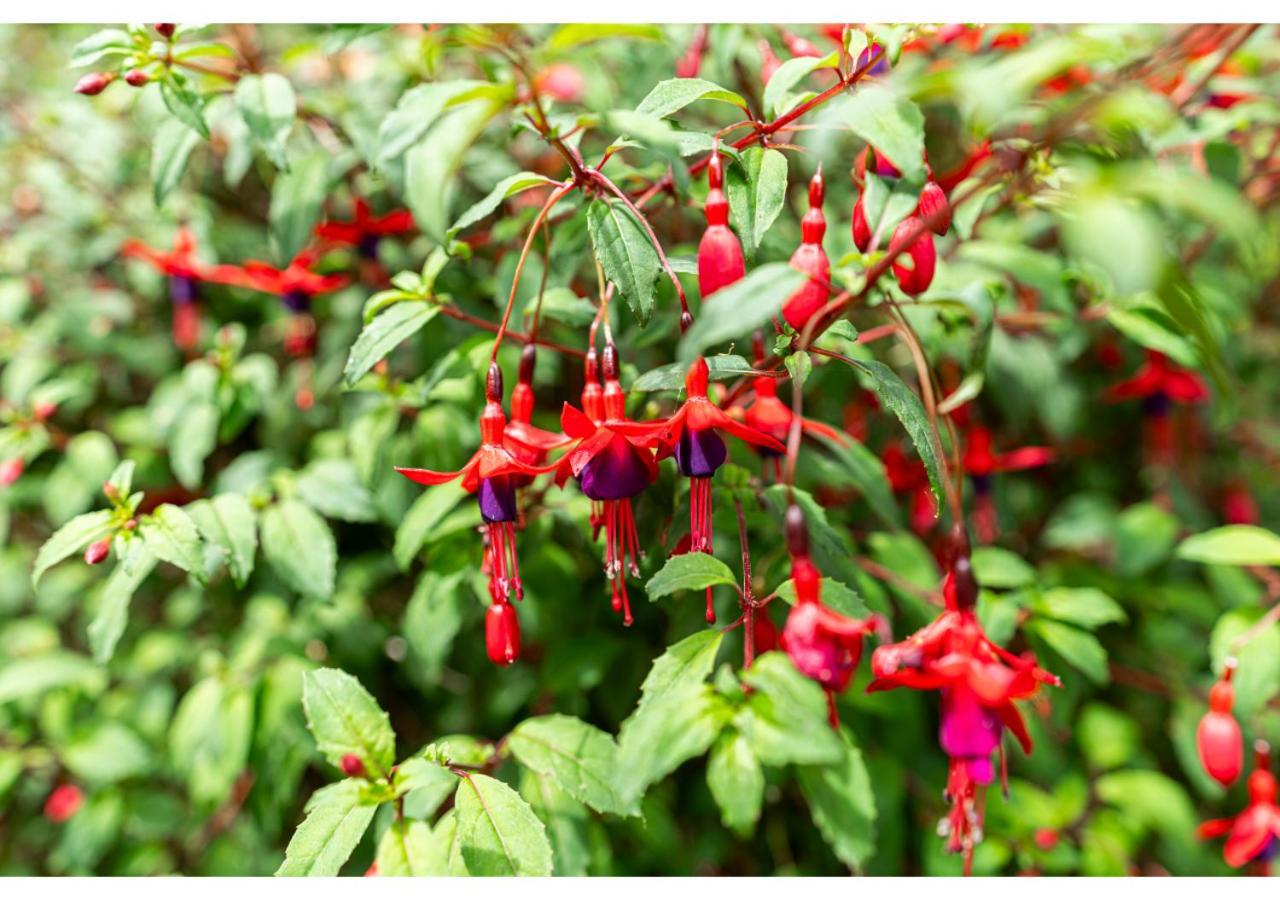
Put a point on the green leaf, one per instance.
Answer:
(431, 166)
(1079, 648)
(1257, 677)
(184, 103)
(507, 187)
(498, 833)
(789, 74)
(671, 376)
(106, 753)
(567, 823)
(688, 572)
(384, 334)
(625, 252)
(415, 112)
(300, 548)
(269, 106)
(675, 94)
(736, 781)
(1233, 545)
(332, 487)
(685, 664)
(842, 804)
(890, 123)
(122, 477)
(170, 152)
(107, 42)
(171, 535)
(757, 191)
(35, 675)
(411, 849)
(1086, 607)
(229, 522)
(72, 538)
(856, 466)
(432, 620)
(337, 817)
(785, 717)
(297, 199)
(995, 567)
(424, 785)
(191, 440)
(345, 719)
(428, 511)
(580, 757)
(740, 308)
(112, 612)
(894, 394)
(567, 36)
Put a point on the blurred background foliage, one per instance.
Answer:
(1146, 223)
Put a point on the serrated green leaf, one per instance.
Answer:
(71, 538)
(740, 308)
(507, 187)
(185, 104)
(345, 719)
(332, 488)
(269, 106)
(842, 804)
(757, 191)
(580, 757)
(785, 717)
(625, 253)
(894, 394)
(297, 199)
(890, 123)
(498, 834)
(172, 536)
(427, 512)
(789, 74)
(300, 547)
(996, 567)
(671, 376)
(411, 849)
(387, 330)
(1078, 647)
(229, 522)
(837, 595)
(736, 781)
(1085, 607)
(688, 572)
(170, 153)
(336, 819)
(675, 94)
(191, 440)
(112, 612)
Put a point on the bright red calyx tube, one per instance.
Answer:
(921, 253)
(811, 259)
(1253, 836)
(934, 208)
(720, 260)
(861, 230)
(1218, 738)
(502, 633)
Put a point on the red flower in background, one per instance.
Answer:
(63, 802)
(185, 272)
(1160, 384)
(611, 468)
(978, 681)
(810, 258)
(980, 462)
(364, 230)
(1253, 836)
(1218, 738)
(909, 476)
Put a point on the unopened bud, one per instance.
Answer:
(502, 634)
(11, 470)
(493, 384)
(797, 532)
(136, 78)
(352, 767)
(43, 409)
(934, 208)
(94, 83)
(97, 551)
(528, 360)
(166, 30)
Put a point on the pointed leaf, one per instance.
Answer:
(498, 834)
(337, 818)
(345, 719)
(625, 253)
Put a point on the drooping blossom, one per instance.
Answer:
(185, 272)
(1160, 385)
(1253, 836)
(810, 258)
(720, 261)
(364, 231)
(978, 681)
(981, 462)
(1218, 739)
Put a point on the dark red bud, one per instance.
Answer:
(502, 634)
(94, 83)
(797, 532)
(861, 230)
(352, 766)
(97, 551)
(913, 280)
(493, 384)
(610, 360)
(934, 208)
(136, 78)
(686, 321)
(166, 30)
(528, 360)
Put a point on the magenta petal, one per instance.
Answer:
(969, 730)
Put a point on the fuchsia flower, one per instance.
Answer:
(909, 476)
(1218, 738)
(1253, 836)
(981, 462)
(811, 259)
(693, 435)
(822, 643)
(1160, 384)
(364, 230)
(527, 442)
(611, 468)
(978, 681)
(492, 475)
(185, 273)
(720, 261)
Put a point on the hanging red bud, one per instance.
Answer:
(861, 230)
(720, 261)
(352, 766)
(769, 61)
(63, 802)
(94, 83)
(1218, 738)
(934, 208)
(136, 78)
(916, 278)
(97, 551)
(502, 634)
(687, 65)
(11, 470)
(810, 258)
(165, 30)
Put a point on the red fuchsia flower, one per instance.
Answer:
(967, 36)
(909, 476)
(769, 61)
(364, 230)
(823, 644)
(561, 81)
(1160, 384)
(1218, 738)
(922, 256)
(720, 261)
(811, 259)
(611, 468)
(799, 46)
(690, 62)
(527, 442)
(1253, 836)
(1239, 507)
(934, 209)
(978, 681)
(63, 802)
(981, 462)
(692, 435)
(491, 474)
(593, 407)
(185, 273)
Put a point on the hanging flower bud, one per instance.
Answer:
(560, 81)
(811, 259)
(934, 208)
(166, 30)
(799, 46)
(720, 261)
(94, 83)
(97, 551)
(914, 280)
(861, 230)
(687, 65)
(136, 78)
(1218, 738)
(63, 802)
(502, 633)
(352, 767)
(11, 470)
(43, 409)
(769, 61)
